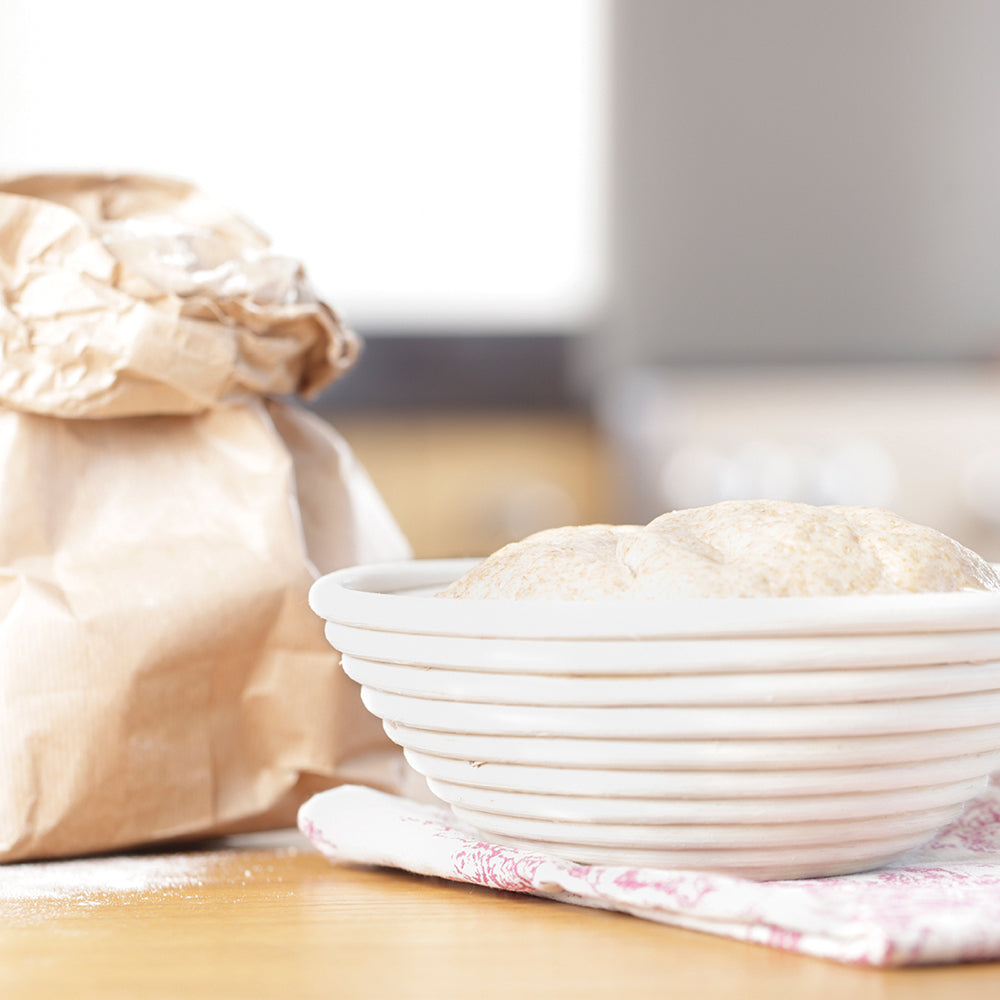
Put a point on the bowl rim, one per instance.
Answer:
(399, 596)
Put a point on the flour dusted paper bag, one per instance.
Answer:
(163, 513)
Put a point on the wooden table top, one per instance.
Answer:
(268, 917)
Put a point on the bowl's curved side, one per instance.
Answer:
(765, 737)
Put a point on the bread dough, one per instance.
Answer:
(739, 548)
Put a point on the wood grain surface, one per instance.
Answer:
(262, 920)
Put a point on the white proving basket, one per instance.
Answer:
(766, 737)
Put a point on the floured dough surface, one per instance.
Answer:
(739, 548)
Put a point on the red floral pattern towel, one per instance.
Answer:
(940, 903)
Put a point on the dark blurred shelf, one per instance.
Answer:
(492, 371)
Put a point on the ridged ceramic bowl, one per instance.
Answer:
(764, 737)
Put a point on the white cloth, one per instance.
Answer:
(940, 903)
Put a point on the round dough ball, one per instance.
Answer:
(738, 548)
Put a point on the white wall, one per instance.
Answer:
(435, 163)
(791, 179)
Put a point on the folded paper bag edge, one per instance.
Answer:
(87, 334)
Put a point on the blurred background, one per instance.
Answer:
(609, 257)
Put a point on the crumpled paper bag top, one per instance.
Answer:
(130, 295)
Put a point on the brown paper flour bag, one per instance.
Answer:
(161, 519)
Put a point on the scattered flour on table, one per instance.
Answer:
(38, 890)
(43, 889)
(129, 873)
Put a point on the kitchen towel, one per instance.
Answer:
(937, 904)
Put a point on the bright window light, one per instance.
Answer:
(436, 165)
